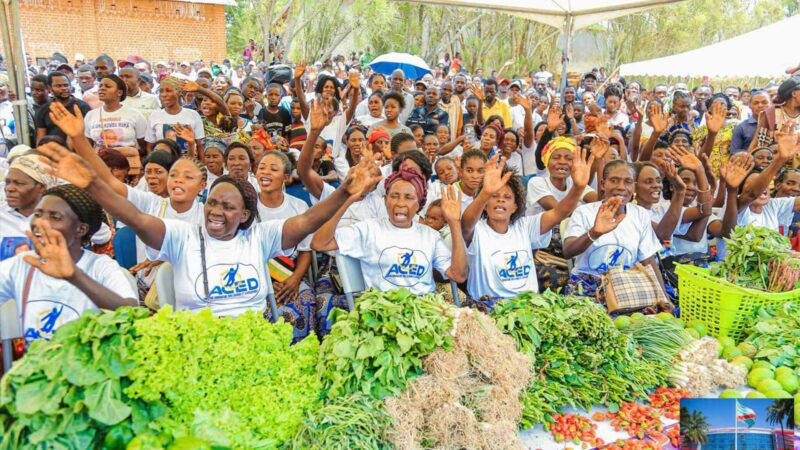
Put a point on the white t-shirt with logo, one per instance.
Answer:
(161, 207)
(291, 207)
(776, 213)
(120, 128)
(53, 302)
(372, 207)
(236, 269)
(541, 187)
(392, 257)
(159, 126)
(501, 265)
(634, 239)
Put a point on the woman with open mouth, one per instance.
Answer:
(500, 238)
(61, 280)
(219, 263)
(613, 232)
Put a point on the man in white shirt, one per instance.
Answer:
(397, 81)
(136, 98)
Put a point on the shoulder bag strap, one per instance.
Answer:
(25, 291)
(203, 261)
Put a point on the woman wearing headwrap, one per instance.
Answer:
(25, 182)
(217, 264)
(60, 280)
(500, 237)
(491, 139)
(398, 251)
(543, 194)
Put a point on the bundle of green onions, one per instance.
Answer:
(658, 340)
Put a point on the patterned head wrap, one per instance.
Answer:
(413, 177)
(561, 142)
(34, 167)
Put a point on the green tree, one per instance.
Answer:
(781, 412)
(694, 427)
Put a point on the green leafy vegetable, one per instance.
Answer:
(776, 335)
(579, 357)
(750, 250)
(350, 421)
(376, 348)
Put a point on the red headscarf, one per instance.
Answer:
(264, 138)
(413, 177)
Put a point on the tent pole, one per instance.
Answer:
(16, 61)
(568, 20)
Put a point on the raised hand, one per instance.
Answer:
(52, 255)
(184, 132)
(599, 147)
(523, 101)
(602, 128)
(671, 172)
(66, 165)
(787, 141)
(451, 204)
(355, 79)
(684, 157)
(581, 167)
(319, 116)
(477, 91)
(715, 117)
(493, 177)
(656, 118)
(360, 180)
(736, 169)
(300, 69)
(569, 111)
(554, 117)
(188, 86)
(607, 220)
(70, 123)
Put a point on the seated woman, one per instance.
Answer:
(614, 232)
(293, 292)
(500, 237)
(239, 161)
(218, 264)
(544, 193)
(60, 280)
(398, 251)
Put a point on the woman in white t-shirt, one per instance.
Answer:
(60, 281)
(754, 202)
(398, 251)
(293, 291)
(161, 123)
(500, 237)
(375, 107)
(543, 194)
(614, 232)
(114, 124)
(240, 162)
(220, 263)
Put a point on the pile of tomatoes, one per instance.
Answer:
(579, 430)
(668, 400)
(637, 420)
(674, 435)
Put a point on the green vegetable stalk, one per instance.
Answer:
(750, 250)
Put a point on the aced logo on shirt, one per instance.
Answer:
(44, 317)
(514, 265)
(605, 257)
(228, 281)
(403, 266)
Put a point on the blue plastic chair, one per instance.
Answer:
(125, 247)
(299, 191)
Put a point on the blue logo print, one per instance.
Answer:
(402, 266)
(513, 266)
(234, 281)
(607, 256)
(43, 317)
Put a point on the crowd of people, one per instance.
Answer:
(244, 178)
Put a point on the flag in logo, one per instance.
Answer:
(745, 414)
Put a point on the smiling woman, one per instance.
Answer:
(219, 263)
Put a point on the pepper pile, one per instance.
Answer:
(637, 420)
(668, 400)
(569, 427)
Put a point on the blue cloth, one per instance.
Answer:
(743, 135)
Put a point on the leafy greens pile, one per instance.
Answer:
(378, 347)
(750, 250)
(776, 335)
(107, 378)
(579, 357)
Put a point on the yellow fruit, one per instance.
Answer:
(758, 375)
(769, 385)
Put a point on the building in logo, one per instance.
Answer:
(748, 439)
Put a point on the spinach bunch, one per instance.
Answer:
(579, 357)
(750, 249)
(378, 347)
(776, 335)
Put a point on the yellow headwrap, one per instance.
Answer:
(556, 144)
(34, 167)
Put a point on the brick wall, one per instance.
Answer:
(153, 29)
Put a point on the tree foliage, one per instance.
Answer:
(316, 29)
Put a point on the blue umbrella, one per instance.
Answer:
(412, 66)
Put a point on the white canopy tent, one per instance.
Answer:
(759, 53)
(569, 15)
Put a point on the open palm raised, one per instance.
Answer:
(67, 165)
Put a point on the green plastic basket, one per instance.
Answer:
(725, 308)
